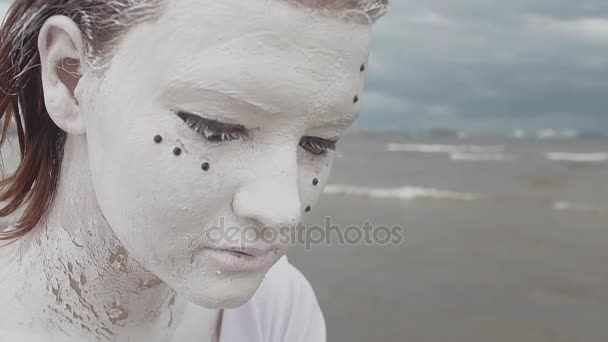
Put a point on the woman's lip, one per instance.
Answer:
(239, 259)
(240, 252)
(247, 251)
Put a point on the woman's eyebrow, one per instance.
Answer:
(199, 92)
(187, 115)
(177, 89)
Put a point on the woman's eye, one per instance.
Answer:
(213, 130)
(317, 146)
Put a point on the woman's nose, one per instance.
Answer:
(271, 196)
(273, 204)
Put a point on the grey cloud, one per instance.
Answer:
(491, 65)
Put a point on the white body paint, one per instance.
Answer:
(123, 249)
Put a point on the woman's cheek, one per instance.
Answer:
(314, 172)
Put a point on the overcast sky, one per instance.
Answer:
(488, 65)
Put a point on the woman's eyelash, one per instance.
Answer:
(317, 146)
(213, 130)
(216, 131)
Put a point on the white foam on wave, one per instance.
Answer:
(439, 148)
(578, 157)
(556, 134)
(404, 193)
(579, 208)
(498, 157)
(518, 134)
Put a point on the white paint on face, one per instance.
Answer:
(279, 71)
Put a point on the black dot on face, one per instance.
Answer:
(307, 209)
(315, 182)
(177, 151)
(356, 99)
(205, 166)
(362, 67)
(158, 139)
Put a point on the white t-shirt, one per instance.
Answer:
(283, 309)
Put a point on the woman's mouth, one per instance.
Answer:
(241, 253)
(234, 260)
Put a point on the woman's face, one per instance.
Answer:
(220, 114)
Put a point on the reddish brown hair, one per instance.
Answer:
(32, 186)
(40, 140)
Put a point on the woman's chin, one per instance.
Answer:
(222, 292)
(220, 303)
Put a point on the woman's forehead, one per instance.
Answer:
(257, 27)
(286, 59)
(209, 22)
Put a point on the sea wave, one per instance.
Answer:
(556, 134)
(403, 193)
(518, 134)
(579, 208)
(461, 156)
(438, 148)
(578, 157)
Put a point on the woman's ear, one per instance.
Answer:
(61, 50)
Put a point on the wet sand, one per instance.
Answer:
(469, 273)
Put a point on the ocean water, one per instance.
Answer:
(537, 172)
(504, 240)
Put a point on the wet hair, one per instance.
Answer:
(29, 190)
(374, 9)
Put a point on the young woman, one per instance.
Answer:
(161, 142)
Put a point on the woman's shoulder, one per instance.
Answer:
(284, 308)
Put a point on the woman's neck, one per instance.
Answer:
(73, 277)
